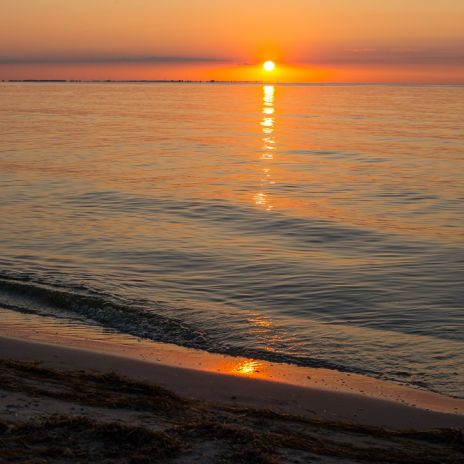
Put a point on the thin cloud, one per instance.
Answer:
(389, 56)
(106, 59)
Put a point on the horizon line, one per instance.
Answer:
(215, 81)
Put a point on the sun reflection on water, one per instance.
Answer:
(248, 367)
(261, 198)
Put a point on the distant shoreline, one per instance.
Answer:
(213, 81)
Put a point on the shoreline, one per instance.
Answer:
(94, 338)
(222, 82)
(237, 390)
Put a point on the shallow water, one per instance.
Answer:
(319, 225)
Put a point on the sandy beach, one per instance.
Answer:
(95, 406)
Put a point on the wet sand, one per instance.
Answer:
(86, 337)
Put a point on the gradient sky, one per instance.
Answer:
(312, 40)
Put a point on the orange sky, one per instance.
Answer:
(313, 40)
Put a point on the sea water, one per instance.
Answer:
(315, 225)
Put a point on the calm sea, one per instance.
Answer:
(317, 225)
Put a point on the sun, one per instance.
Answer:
(269, 66)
